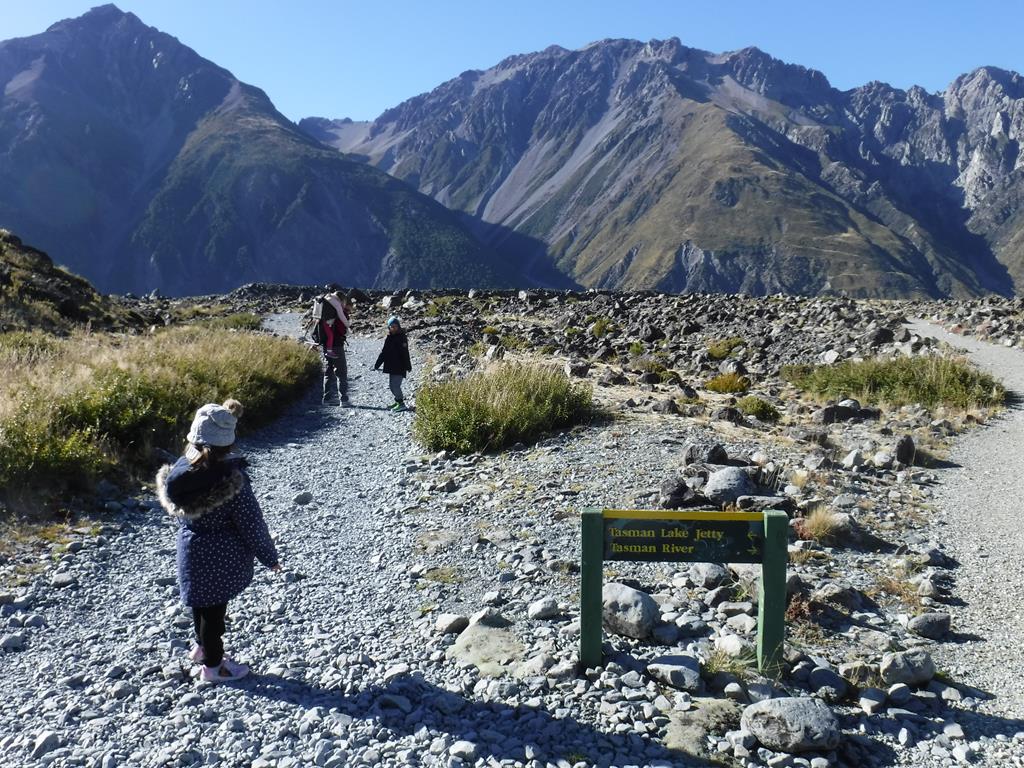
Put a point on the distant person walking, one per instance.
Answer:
(395, 359)
(221, 529)
(331, 312)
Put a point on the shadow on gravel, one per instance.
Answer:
(962, 637)
(499, 731)
(355, 407)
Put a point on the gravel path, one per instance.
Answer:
(348, 667)
(979, 508)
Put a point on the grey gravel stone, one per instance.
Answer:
(628, 611)
(792, 724)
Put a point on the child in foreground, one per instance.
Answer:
(221, 529)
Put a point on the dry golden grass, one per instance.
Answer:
(73, 408)
(820, 524)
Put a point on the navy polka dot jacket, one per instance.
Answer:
(221, 529)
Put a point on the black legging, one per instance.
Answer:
(209, 623)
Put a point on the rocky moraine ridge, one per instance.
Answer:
(429, 615)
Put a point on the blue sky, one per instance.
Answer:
(338, 58)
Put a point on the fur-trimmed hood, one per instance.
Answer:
(197, 498)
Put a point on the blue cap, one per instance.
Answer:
(393, 320)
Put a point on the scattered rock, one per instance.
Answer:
(792, 724)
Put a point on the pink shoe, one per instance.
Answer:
(227, 671)
(197, 654)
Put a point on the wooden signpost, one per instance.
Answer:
(687, 536)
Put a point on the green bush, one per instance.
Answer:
(490, 329)
(719, 349)
(728, 383)
(758, 408)
(636, 349)
(930, 381)
(491, 409)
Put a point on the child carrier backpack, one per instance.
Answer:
(321, 311)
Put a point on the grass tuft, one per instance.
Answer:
(494, 408)
(820, 525)
(728, 383)
(719, 349)
(931, 381)
(758, 408)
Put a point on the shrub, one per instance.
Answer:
(490, 329)
(502, 405)
(601, 327)
(728, 383)
(719, 349)
(930, 381)
(513, 342)
(636, 349)
(95, 401)
(758, 408)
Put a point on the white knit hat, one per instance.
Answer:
(214, 425)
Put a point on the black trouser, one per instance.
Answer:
(209, 623)
(336, 368)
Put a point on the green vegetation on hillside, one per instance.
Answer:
(930, 381)
(75, 409)
(34, 294)
(492, 409)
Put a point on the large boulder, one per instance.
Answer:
(933, 625)
(628, 611)
(792, 724)
(914, 667)
(705, 453)
(726, 485)
(678, 670)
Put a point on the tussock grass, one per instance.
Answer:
(821, 525)
(719, 349)
(74, 409)
(728, 383)
(719, 661)
(931, 381)
(758, 408)
(494, 408)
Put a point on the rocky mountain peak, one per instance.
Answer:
(791, 84)
(99, 19)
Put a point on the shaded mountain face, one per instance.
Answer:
(657, 166)
(141, 165)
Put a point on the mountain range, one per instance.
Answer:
(658, 166)
(135, 162)
(139, 164)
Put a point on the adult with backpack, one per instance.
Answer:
(330, 318)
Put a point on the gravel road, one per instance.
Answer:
(979, 519)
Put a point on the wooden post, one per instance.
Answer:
(771, 615)
(591, 578)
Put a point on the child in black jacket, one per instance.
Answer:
(395, 359)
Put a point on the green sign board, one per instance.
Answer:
(691, 536)
(730, 537)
